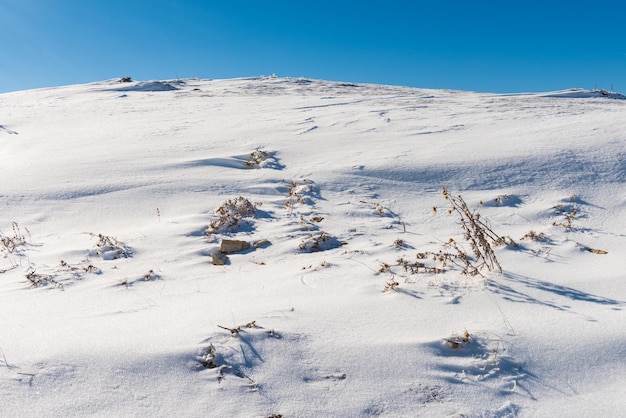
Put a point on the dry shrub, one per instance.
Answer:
(36, 280)
(13, 245)
(110, 248)
(479, 236)
(64, 274)
(319, 241)
(534, 236)
(458, 341)
(568, 215)
(568, 212)
(10, 244)
(297, 193)
(257, 157)
(390, 285)
(231, 214)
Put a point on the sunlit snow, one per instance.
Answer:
(348, 298)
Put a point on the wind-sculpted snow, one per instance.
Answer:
(566, 170)
(280, 247)
(147, 86)
(586, 94)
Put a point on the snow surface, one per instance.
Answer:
(335, 327)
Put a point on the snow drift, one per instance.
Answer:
(348, 297)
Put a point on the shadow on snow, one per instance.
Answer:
(508, 292)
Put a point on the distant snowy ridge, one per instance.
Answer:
(585, 94)
(316, 84)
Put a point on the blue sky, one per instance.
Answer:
(495, 46)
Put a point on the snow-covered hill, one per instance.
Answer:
(345, 295)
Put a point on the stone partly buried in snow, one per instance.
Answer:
(229, 246)
(219, 259)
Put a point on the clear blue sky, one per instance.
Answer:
(496, 46)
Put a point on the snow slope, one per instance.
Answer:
(325, 315)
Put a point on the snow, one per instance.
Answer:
(321, 317)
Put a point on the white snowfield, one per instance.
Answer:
(349, 298)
